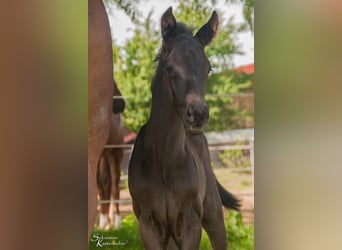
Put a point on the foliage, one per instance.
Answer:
(134, 69)
(240, 237)
(225, 112)
(128, 233)
(235, 158)
(130, 8)
(247, 11)
(135, 66)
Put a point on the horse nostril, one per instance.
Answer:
(197, 114)
(190, 114)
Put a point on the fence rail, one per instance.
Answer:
(207, 95)
(129, 146)
(212, 147)
(129, 201)
(120, 202)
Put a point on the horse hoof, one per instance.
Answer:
(117, 221)
(103, 221)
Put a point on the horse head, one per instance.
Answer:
(187, 67)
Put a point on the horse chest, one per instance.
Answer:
(166, 181)
(183, 177)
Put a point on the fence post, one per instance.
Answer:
(251, 155)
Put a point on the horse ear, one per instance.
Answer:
(168, 24)
(208, 30)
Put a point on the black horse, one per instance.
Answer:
(171, 182)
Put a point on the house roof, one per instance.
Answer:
(247, 69)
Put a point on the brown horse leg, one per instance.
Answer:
(104, 188)
(115, 174)
(92, 197)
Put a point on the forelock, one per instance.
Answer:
(181, 30)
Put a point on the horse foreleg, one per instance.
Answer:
(213, 221)
(92, 198)
(104, 188)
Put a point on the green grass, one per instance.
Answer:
(240, 237)
(128, 233)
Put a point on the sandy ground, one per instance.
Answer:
(240, 184)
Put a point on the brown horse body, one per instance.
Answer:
(171, 182)
(100, 95)
(108, 175)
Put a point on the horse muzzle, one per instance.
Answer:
(196, 116)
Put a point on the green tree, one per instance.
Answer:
(225, 110)
(135, 66)
(130, 8)
(134, 69)
(247, 11)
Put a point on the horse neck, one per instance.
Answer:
(166, 125)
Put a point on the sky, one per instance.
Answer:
(121, 25)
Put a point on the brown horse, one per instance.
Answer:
(100, 95)
(108, 175)
(171, 181)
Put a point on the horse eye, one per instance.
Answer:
(169, 69)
